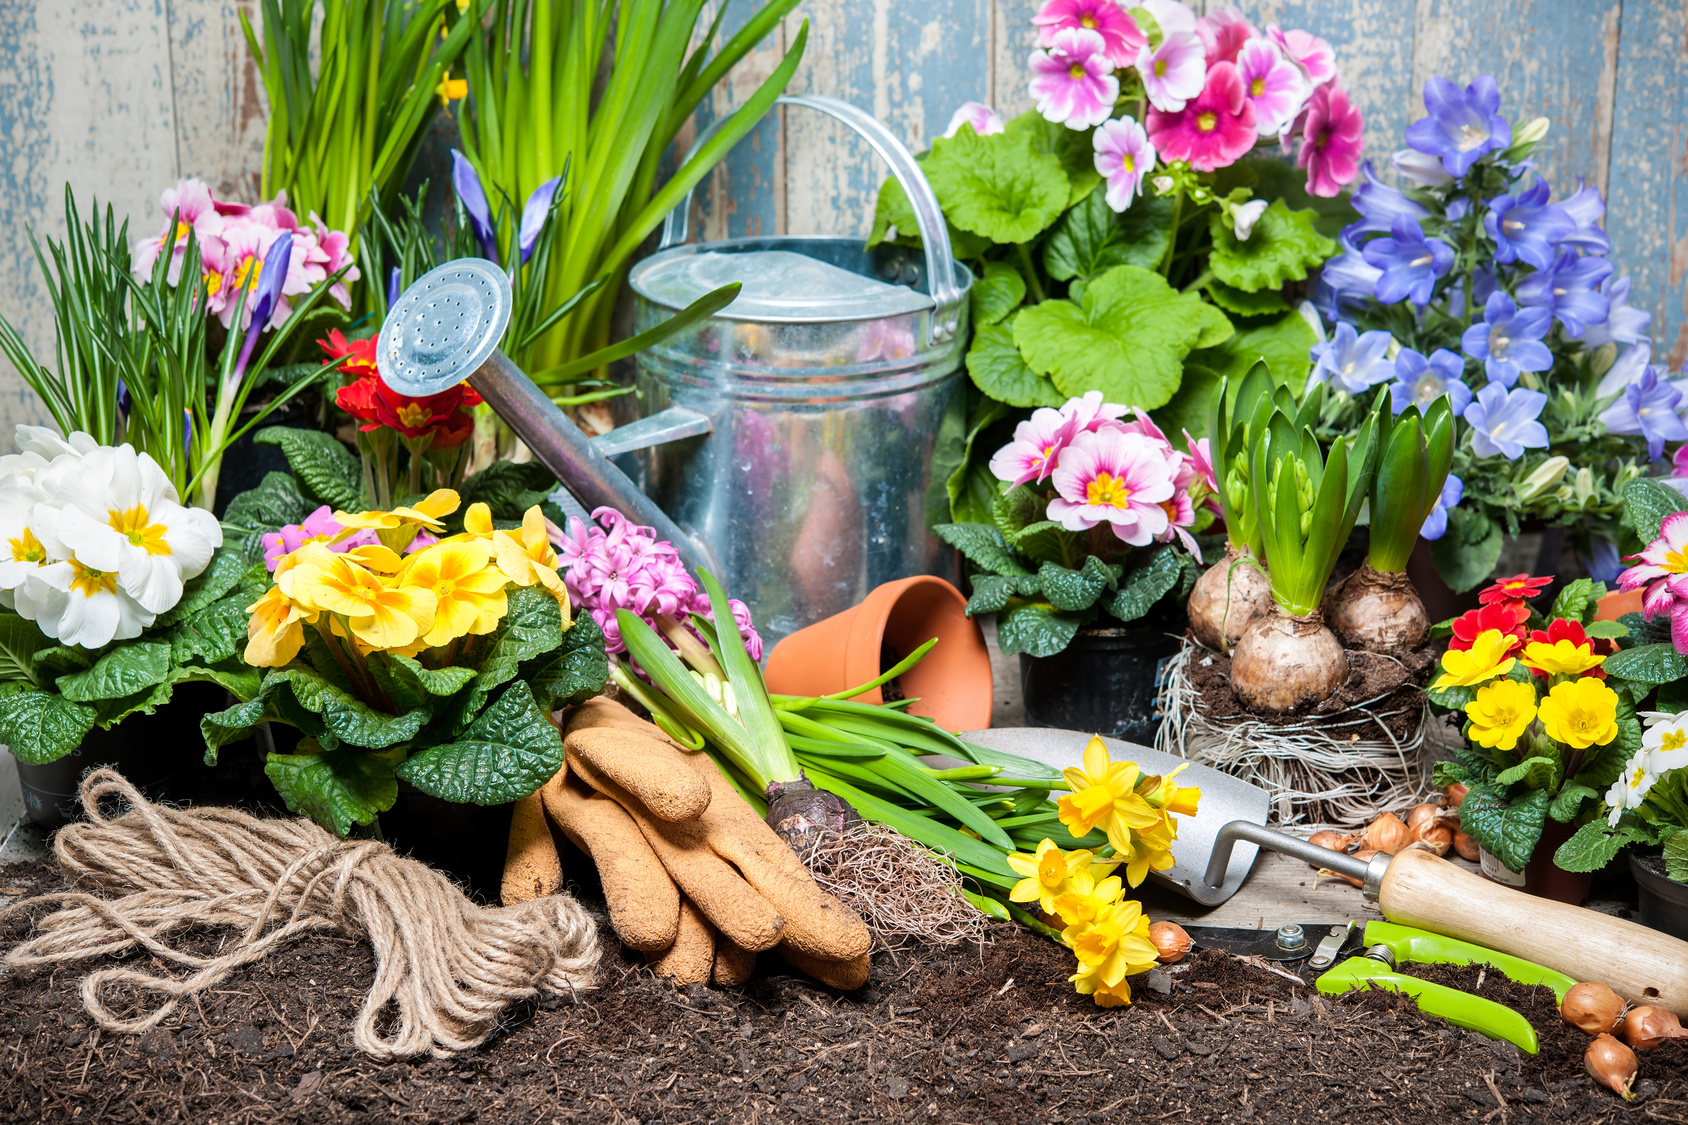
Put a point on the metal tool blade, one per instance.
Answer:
(1294, 941)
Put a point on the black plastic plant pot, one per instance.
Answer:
(467, 842)
(1104, 682)
(1664, 901)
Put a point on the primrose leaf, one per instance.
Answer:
(1648, 664)
(335, 788)
(41, 726)
(275, 503)
(575, 672)
(1676, 856)
(1072, 147)
(213, 634)
(990, 593)
(320, 463)
(1145, 584)
(1466, 555)
(533, 625)
(233, 724)
(1262, 302)
(1537, 769)
(983, 546)
(510, 750)
(130, 668)
(1568, 802)
(892, 210)
(1038, 628)
(999, 186)
(1574, 600)
(1507, 827)
(1047, 541)
(1649, 501)
(344, 716)
(996, 366)
(1592, 846)
(1091, 238)
(1074, 590)
(1281, 248)
(228, 567)
(1128, 339)
(20, 640)
(1017, 510)
(508, 488)
(1216, 328)
(997, 293)
(1284, 345)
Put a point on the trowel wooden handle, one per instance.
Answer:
(1643, 966)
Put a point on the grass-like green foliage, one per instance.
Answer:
(1307, 504)
(1415, 453)
(1233, 420)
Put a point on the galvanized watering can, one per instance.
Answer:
(789, 436)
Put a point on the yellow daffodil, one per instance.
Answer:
(274, 632)
(468, 591)
(1502, 711)
(1103, 793)
(1086, 897)
(1562, 658)
(1116, 945)
(1150, 850)
(1045, 873)
(527, 558)
(1168, 795)
(1484, 660)
(1105, 995)
(1581, 713)
(452, 89)
(379, 615)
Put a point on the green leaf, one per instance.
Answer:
(1072, 147)
(1016, 510)
(1466, 555)
(41, 726)
(1648, 664)
(997, 293)
(125, 670)
(996, 366)
(214, 634)
(1038, 628)
(1449, 773)
(227, 570)
(335, 788)
(20, 640)
(1284, 345)
(344, 716)
(412, 687)
(997, 186)
(1272, 177)
(532, 625)
(272, 505)
(982, 545)
(1615, 630)
(990, 593)
(320, 464)
(1676, 856)
(1592, 846)
(1568, 802)
(242, 682)
(1128, 339)
(1537, 769)
(233, 724)
(1648, 502)
(893, 210)
(1216, 328)
(1047, 541)
(1453, 698)
(1282, 248)
(575, 672)
(1573, 600)
(58, 660)
(509, 488)
(510, 750)
(1188, 409)
(1145, 584)
(1091, 238)
(1508, 827)
(1074, 590)
(1264, 302)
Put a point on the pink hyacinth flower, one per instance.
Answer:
(1174, 72)
(1214, 130)
(1332, 141)
(1090, 413)
(1037, 444)
(1307, 51)
(1123, 157)
(1074, 83)
(1223, 35)
(983, 118)
(1116, 478)
(1273, 85)
(1121, 37)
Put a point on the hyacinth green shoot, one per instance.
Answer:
(1415, 453)
(1233, 419)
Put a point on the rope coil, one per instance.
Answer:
(449, 966)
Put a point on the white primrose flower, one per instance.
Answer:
(21, 550)
(1631, 787)
(77, 605)
(1665, 741)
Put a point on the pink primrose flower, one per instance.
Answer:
(1201, 458)
(1171, 16)
(331, 250)
(1173, 73)
(1273, 85)
(1662, 568)
(318, 527)
(1123, 157)
(983, 118)
(1212, 131)
(1332, 142)
(1223, 35)
(1091, 412)
(187, 206)
(1074, 83)
(1121, 37)
(1307, 51)
(1116, 478)
(1037, 444)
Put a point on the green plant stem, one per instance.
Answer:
(1172, 240)
(1030, 269)
(1201, 279)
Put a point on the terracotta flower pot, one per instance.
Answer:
(1617, 603)
(952, 684)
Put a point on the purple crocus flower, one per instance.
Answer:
(1351, 361)
(1508, 339)
(472, 196)
(1570, 290)
(1410, 262)
(534, 211)
(262, 304)
(1346, 279)
(1648, 409)
(1624, 323)
(1420, 381)
(1462, 124)
(394, 279)
(1526, 226)
(1380, 205)
(1586, 208)
(1504, 422)
(1436, 523)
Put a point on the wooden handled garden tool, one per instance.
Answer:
(1416, 888)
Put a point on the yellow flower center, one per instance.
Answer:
(182, 229)
(91, 583)
(244, 268)
(1160, 68)
(1076, 70)
(1673, 741)
(135, 526)
(27, 548)
(1052, 868)
(1636, 778)
(413, 415)
(1206, 122)
(1107, 490)
(1470, 137)
(213, 281)
(1088, 21)
(1676, 561)
(1257, 87)
(1128, 162)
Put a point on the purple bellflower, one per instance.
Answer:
(1346, 279)
(1508, 339)
(1436, 523)
(1410, 262)
(1380, 205)
(395, 281)
(534, 213)
(1624, 323)
(1504, 422)
(1570, 289)
(1462, 125)
(1648, 408)
(1350, 361)
(1629, 367)
(1526, 226)
(1586, 208)
(472, 196)
(1420, 381)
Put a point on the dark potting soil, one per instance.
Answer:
(992, 1034)
(1369, 677)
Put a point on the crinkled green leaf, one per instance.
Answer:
(1128, 339)
(344, 716)
(1537, 770)
(1568, 802)
(111, 712)
(1038, 628)
(1647, 664)
(1074, 590)
(213, 634)
(990, 593)
(227, 570)
(509, 488)
(132, 667)
(575, 672)
(335, 788)
(1091, 239)
(996, 367)
(997, 293)
(1016, 510)
(1648, 502)
(999, 186)
(1592, 846)
(322, 466)
(242, 682)
(41, 726)
(1466, 554)
(20, 640)
(1047, 541)
(1574, 599)
(1263, 302)
(232, 724)
(1282, 247)
(1145, 584)
(1507, 827)
(982, 545)
(533, 624)
(275, 503)
(410, 687)
(1449, 773)
(1283, 344)
(59, 660)
(510, 750)
(1676, 856)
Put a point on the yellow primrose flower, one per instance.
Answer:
(1086, 897)
(1484, 660)
(1562, 658)
(1581, 713)
(1103, 795)
(1117, 944)
(274, 633)
(477, 521)
(380, 616)
(468, 592)
(1045, 873)
(530, 559)
(1502, 711)
(428, 512)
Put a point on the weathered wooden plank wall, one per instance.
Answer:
(119, 97)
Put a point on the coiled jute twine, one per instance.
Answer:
(449, 967)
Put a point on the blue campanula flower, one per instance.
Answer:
(1410, 262)
(1458, 209)
(1526, 226)
(1508, 339)
(1586, 207)
(1504, 422)
(1462, 125)
(1421, 168)
(472, 196)
(1570, 289)
(1629, 367)
(1352, 362)
(1436, 523)
(1346, 279)
(1624, 324)
(1420, 381)
(1602, 561)
(1648, 408)
(1380, 205)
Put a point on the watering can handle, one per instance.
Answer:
(934, 232)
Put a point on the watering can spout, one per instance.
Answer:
(445, 329)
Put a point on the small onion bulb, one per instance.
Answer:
(1172, 943)
(1388, 834)
(1646, 1027)
(1453, 795)
(1467, 847)
(1422, 813)
(1612, 1064)
(1434, 837)
(1592, 1007)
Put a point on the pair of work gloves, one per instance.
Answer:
(692, 875)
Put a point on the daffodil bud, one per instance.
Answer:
(1584, 486)
(1526, 138)
(1545, 476)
